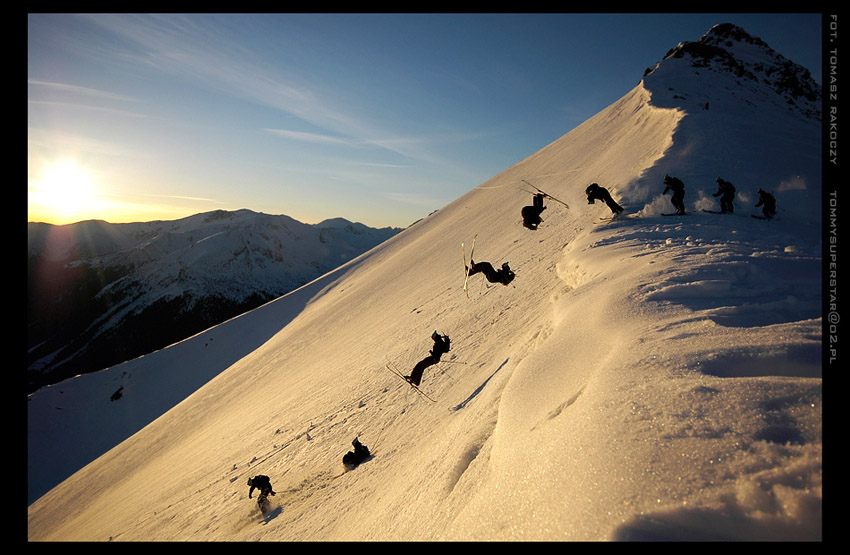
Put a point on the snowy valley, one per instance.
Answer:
(97, 291)
(650, 377)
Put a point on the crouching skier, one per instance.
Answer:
(726, 192)
(353, 458)
(678, 199)
(768, 202)
(263, 484)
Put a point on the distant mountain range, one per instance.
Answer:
(99, 294)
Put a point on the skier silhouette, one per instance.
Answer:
(675, 184)
(504, 275)
(595, 192)
(726, 192)
(531, 214)
(769, 203)
(441, 346)
(353, 458)
(262, 483)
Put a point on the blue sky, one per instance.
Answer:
(376, 118)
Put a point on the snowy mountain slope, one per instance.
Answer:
(96, 289)
(79, 418)
(647, 378)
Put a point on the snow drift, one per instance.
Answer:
(646, 378)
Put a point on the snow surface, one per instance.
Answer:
(649, 378)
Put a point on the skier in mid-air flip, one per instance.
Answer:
(531, 214)
(441, 347)
(595, 192)
(504, 275)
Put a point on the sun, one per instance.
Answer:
(64, 193)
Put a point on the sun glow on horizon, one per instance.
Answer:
(64, 193)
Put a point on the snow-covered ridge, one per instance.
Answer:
(646, 378)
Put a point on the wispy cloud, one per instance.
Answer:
(398, 144)
(78, 90)
(182, 197)
(415, 199)
(75, 97)
(310, 137)
(51, 142)
(87, 107)
(380, 165)
(196, 47)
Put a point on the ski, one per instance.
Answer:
(612, 218)
(415, 387)
(469, 267)
(676, 214)
(715, 211)
(544, 193)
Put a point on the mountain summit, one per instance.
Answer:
(646, 377)
(749, 64)
(741, 105)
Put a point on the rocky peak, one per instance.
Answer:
(730, 50)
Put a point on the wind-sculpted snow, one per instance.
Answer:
(731, 281)
(623, 373)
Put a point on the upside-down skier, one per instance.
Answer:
(531, 214)
(441, 347)
(504, 275)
